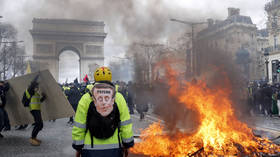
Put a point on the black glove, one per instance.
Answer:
(36, 78)
(44, 96)
(34, 82)
(78, 148)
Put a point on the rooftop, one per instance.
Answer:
(230, 20)
(68, 21)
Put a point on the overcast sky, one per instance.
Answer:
(126, 20)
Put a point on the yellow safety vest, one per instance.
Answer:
(35, 103)
(82, 137)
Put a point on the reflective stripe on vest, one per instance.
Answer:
(128, 140)
(79, 125)
(101, 146)
(75, 142)
(126, 122)
(35, 103)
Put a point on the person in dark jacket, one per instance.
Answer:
(266, 93)
(130, 97)
(141, 104)
(4, 119)
(73, 96)
(258, 101)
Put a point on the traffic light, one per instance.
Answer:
(278, 67)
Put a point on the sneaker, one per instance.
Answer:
(1, 136)
(34, 142)
(38, 140)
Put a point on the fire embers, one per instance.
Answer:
(219, 133)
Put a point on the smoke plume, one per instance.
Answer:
(219, 70)
(126, 21)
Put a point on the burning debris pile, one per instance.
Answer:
(219, 132)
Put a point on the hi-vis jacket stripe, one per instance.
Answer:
(101, 147)
(81, 137)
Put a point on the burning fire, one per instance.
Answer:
(219, 133)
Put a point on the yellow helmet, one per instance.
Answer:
(103, 74)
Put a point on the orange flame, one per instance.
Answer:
(220, 133)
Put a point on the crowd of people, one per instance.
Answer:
(103, 106)
(264, 98)
(100, 108)
(136, 96)
(133, 94)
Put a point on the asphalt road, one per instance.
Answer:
(56, 137)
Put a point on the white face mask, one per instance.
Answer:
(103, 100)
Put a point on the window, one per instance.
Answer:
(275, 42)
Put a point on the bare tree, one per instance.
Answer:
(10, 62)
(144, 57)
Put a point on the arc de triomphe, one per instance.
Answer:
(51, 37)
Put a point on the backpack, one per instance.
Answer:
(102, 127)
(25, 101)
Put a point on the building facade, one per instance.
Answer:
(262, 44)
(272, 9)
(235, 36)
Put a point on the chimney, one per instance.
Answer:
(210, 22)
(233, 11)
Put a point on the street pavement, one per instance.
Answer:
(56, 140)
(267, 127)
(56, 136)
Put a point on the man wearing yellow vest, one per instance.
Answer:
(36, 99)
(102, 125)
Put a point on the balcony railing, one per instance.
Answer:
(272, 5)
(272, 49)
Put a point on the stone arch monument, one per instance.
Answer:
(53, 36)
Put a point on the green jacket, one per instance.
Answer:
(81, 138)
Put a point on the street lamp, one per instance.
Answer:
(266, 57)
(193, 55)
